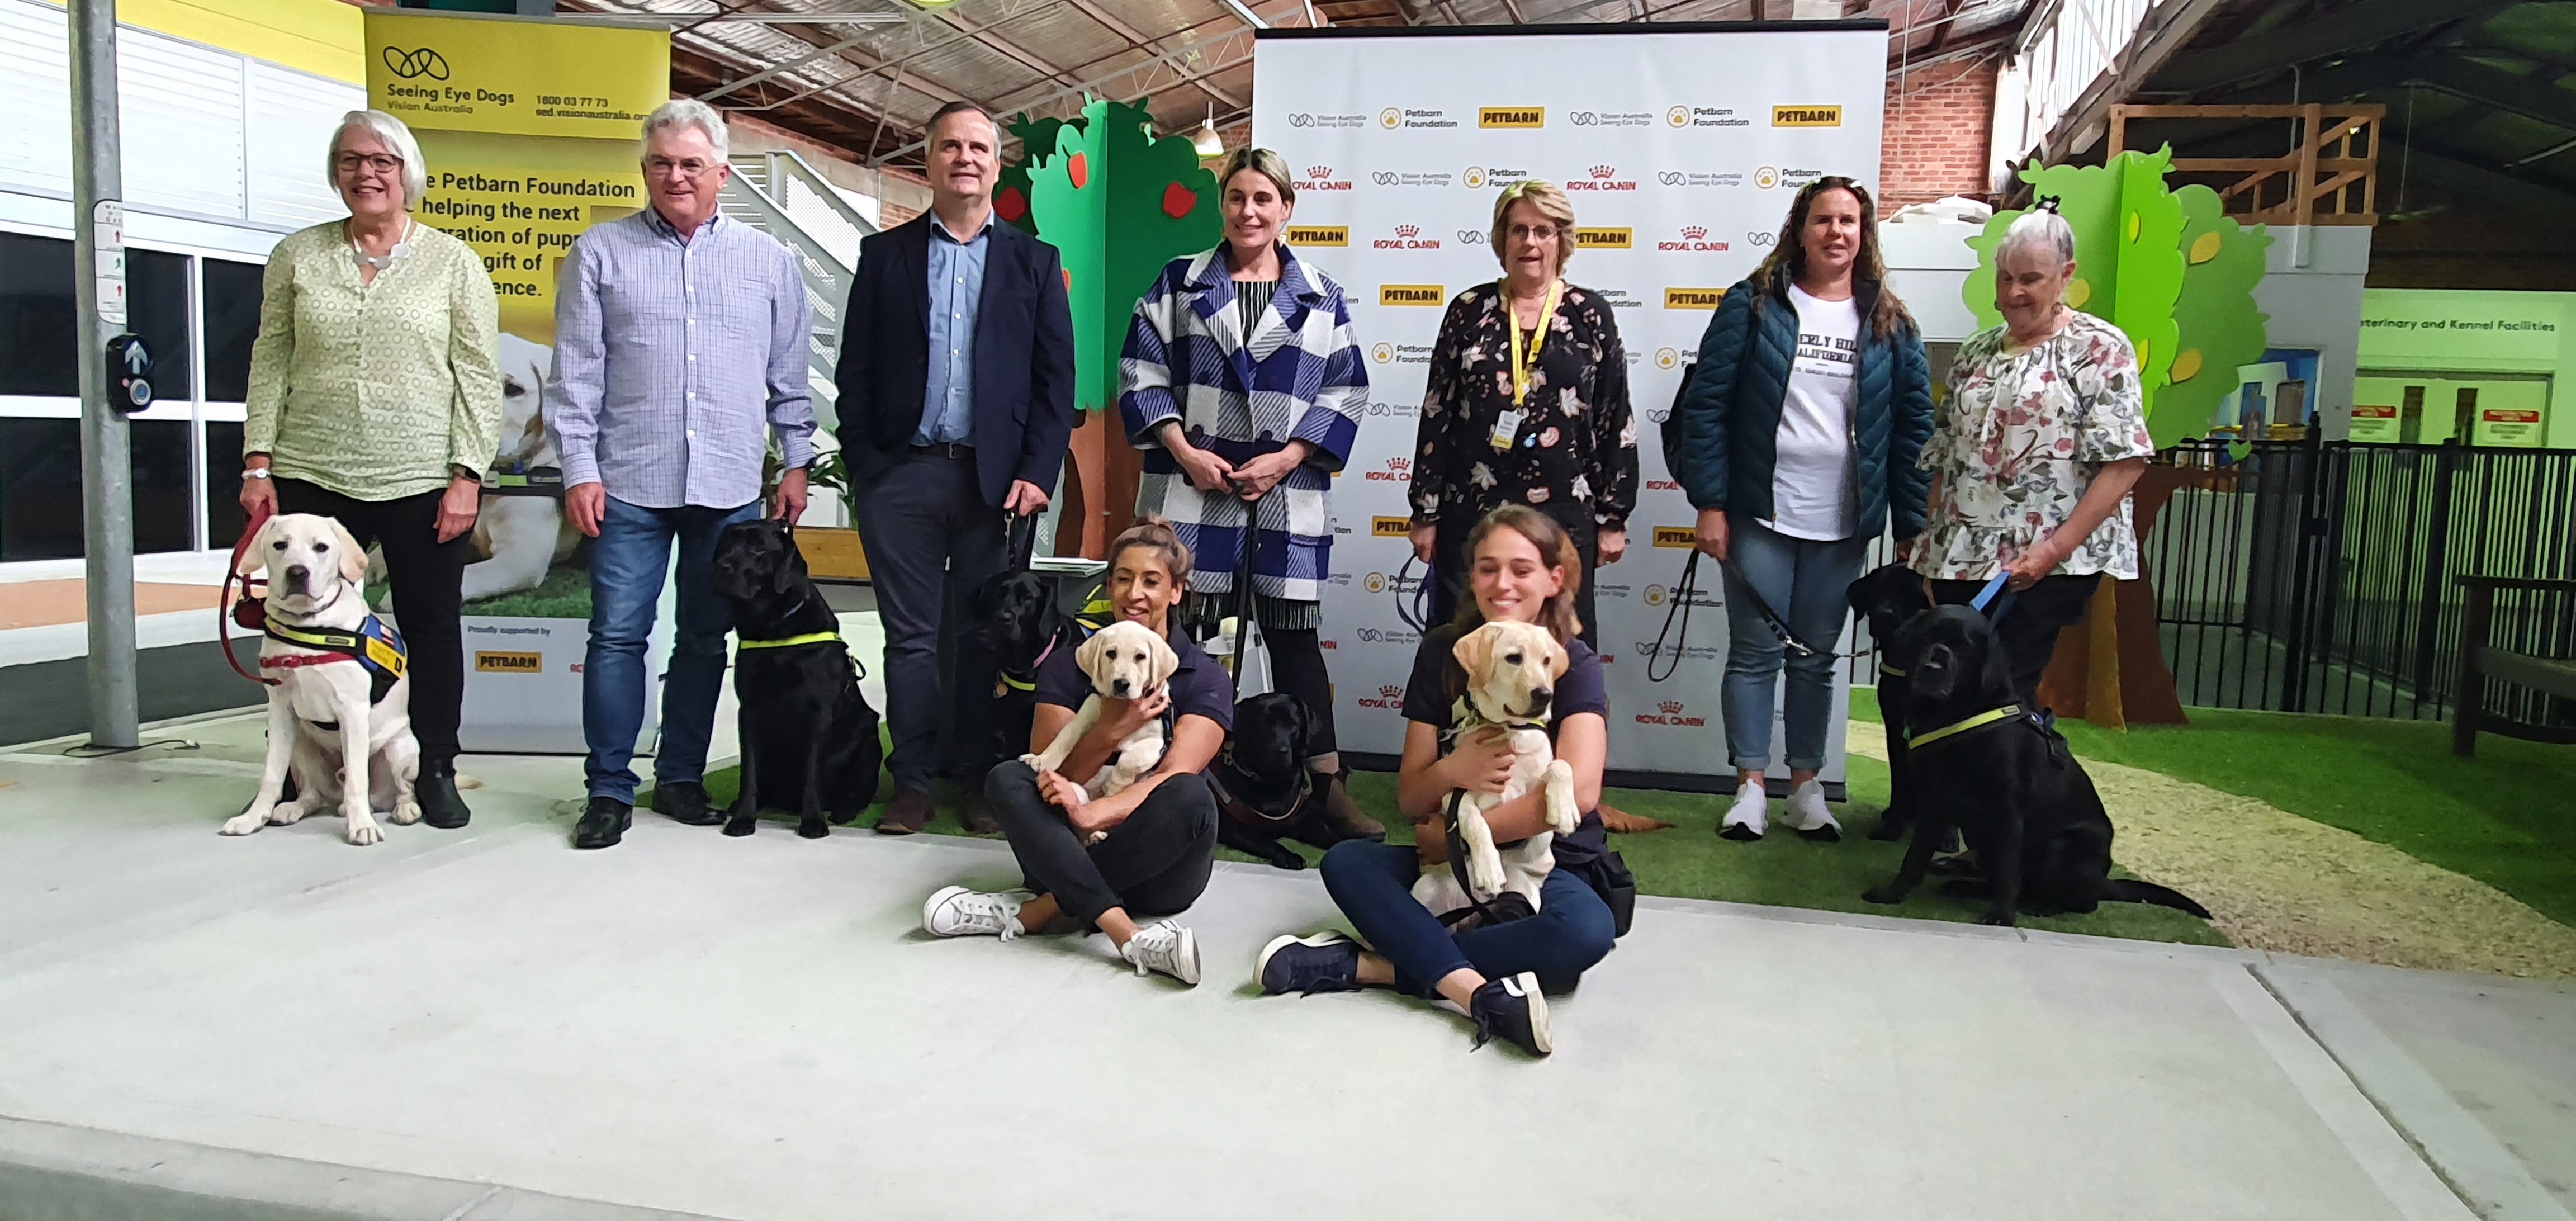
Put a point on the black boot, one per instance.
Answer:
(435, 790)
(603, 823)
(1343, 815)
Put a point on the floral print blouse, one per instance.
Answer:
(2017, 442)
(1578, 440)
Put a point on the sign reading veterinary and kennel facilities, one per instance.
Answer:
(1681, 147)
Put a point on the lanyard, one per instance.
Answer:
(1523, 371)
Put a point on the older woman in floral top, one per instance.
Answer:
(1526, 402)
(2034, 454)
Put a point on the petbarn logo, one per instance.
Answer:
(1390, 527)
(1388, 696)
(1396, 470)
(1407, 237)
(1693, 240)
(1319, 235)
(1329, 122)
(1687, 178)
(1412, 294)
(1704, 116)
(1676, 536)
(1320, 178)
(1382, 353)
(1693, 298)
(1673, 713)
(1512, 116)
(1392, 118)
(509, 663)
(1601, 178)
(1605, 239)
(1806, 116)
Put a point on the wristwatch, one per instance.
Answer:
(254, 472)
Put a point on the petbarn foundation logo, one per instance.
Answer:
(1605, 239)
(1412, 294)
(1672, 713)
(1379, 583)
(1390, 527)
(1328, 122)
(1399, 354)
(1768, 177)
(1704, 116)
(1806, 116)
(1390, 118)
(1693, 298)
(1383, 353)
(1407, 237)
(1479, 177)
(1693, 239)
(1320, 178)
(1696, 179)
(1396, 470)
(1393, 118)
(1674, 358)
(1659, 596)
(1601, 178)
(1618, 298)
(1607, 118)
(1512, 116)
(509, 663)
(1319, 235)
(1409, 178)
(1389, 696)
(1676, 536)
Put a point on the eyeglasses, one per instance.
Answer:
(664, 167)
(382, 163)
(1535, 233)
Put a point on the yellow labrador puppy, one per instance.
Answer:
(1126, 661)
(1512, 669)
(340, 705)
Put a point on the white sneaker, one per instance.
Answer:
(1751, 813)
(959, 912)
(1807, 815)
(1166, 947)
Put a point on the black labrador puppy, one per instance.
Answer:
(1016, 617)
(807, 732)
(2007, 782)
(1264, 791)
(1885, 598)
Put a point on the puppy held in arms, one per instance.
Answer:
(1511, 670)
(1125, 661)
(338, 697)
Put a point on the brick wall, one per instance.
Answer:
(1940, 124)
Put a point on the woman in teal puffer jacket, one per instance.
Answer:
(1800, 427)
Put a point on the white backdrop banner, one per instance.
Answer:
(1681, 149)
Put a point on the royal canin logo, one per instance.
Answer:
(1662, 485)
(1388, 696)
(1397, 470)
(1331, 644)
(1320, 178)
(1693, 238)
(1407, 237)
(1604, 178)
(1670, 713)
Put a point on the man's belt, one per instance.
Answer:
(959, 450)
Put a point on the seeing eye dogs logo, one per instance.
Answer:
(1474, 237)
(412, 65)
(1761, 239)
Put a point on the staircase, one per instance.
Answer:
(779, 194)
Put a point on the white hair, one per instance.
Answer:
(2042, 228)
(689, 112)
(396, 137)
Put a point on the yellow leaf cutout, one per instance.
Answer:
(2133, 226)
(2077, 293)
(2205, 248)
(2145, 358)
(2186, 363)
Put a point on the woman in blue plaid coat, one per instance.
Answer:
(1242, 385)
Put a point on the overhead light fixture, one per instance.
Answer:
(1205, 139)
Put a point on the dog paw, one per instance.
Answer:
(2003, 919)
(365, 833)
(405, 813)
(1037, 763)
(741, 825)
(1888, 829)
(243, 824)
(287, 813)
(813, 828)
(1485, 876)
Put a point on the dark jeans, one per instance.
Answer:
(1373, 885)
(931, 540)
(427, 576)
(1297, 669)
(2028, 631)
(1153, 864)
(1449, 563)
(626, 567)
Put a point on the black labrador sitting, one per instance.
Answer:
(1983, 764)
(1264, 791)
(1016, 617)
(1886, 597)
(807, 732)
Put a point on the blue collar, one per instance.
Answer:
(939, 228)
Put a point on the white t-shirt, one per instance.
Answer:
(1811, 489)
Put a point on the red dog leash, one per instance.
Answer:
(251, 611)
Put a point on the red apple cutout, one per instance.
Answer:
(1079, 170)
(1178, 201)
(1011, 205)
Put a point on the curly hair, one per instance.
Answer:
(1788, 259)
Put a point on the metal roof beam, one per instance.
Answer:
(1110, 22)
(2350, 28)
(1167, 59)
(2512, 190)
(2526, 96)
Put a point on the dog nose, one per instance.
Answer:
(1119, 686)
(1538, 698)
(296, 575)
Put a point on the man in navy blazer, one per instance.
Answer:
(956, 404)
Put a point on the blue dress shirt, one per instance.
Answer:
(956, 291)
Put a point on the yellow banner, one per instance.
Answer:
(515, 77)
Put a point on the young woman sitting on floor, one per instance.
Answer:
(1161, 841)
(1523, 566)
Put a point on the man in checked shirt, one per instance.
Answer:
(679, 348)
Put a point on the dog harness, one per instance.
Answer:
(375, 645)
(1236, 808)
(1991, 716)
(789, 641)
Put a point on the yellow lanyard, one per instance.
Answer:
(1523, 371)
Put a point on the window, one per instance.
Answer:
(232, 322)
(37, 336)
(224, 517)
(156, 309)
(164, 520)
(40, 488)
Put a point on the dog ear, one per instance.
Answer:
(255, 556)
(1088, 655)
(1474, 652)
(1166, 662)
(1559, 658)
(353, 558)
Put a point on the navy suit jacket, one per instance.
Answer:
(1023, 357)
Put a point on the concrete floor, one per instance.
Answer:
(485, 1024)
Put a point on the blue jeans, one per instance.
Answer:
(1807, 584)
(626, 566)
(1373, 885)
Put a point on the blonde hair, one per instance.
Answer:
(1155, 534)
(1551, 203)
(1264, 162)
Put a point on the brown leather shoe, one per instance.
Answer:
(977, 814)
(1343, 814)
(910, 811)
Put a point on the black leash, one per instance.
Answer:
(1414, 612)
(1684, 593)
(1243, 584)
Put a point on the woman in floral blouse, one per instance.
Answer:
(2034, 454)
(1526, 403)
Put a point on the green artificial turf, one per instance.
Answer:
(564, 595)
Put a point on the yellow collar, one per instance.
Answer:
(1982, 719)
(807, 638)
(1890, 671)
(1019, 684)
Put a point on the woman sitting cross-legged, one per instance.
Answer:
(1522, 566)
(1160, 841)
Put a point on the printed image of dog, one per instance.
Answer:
(1512, 669)
(326, 725)
(808, 734)
(520, 538)
(1265, 792)
(1124, 661)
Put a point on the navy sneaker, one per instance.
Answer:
(1325, 962)
(1514, 1009)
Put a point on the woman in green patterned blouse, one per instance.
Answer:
(375, 398)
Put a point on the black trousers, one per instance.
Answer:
(2028, 631)
(1297, 669)
(931, 540)
(1449, 562)
(1153, 864)
(428, 579)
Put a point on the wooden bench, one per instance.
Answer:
(2480, 661)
